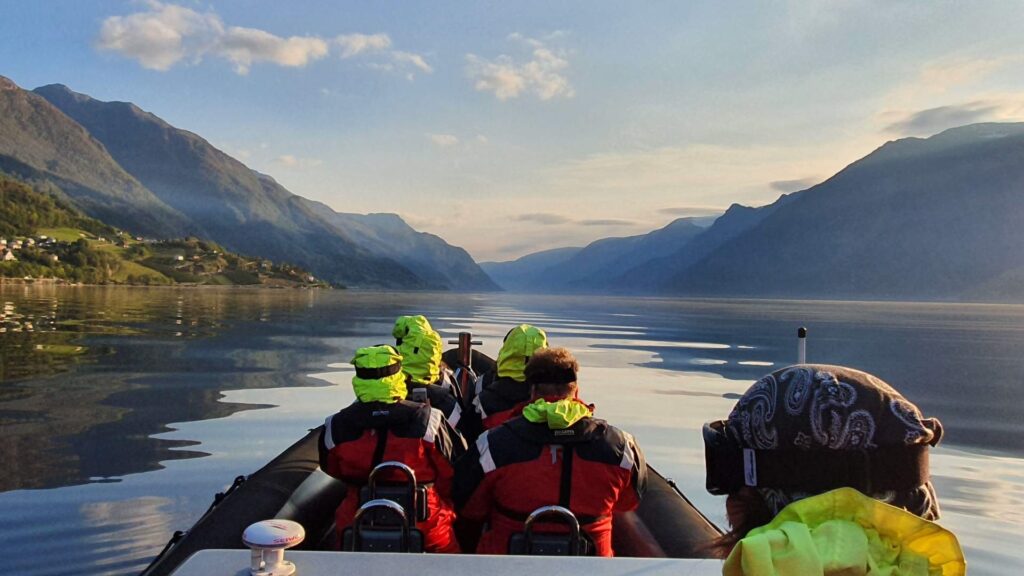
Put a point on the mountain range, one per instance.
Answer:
(933, 218)
(936, 218)
(131, 169)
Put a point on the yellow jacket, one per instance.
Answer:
(845, 533)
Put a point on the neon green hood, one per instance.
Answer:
(845, 532)
(421, 354)
(405, 325)
(388, 384)
(520, 343)
(558, 415)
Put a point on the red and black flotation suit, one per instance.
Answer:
(441, 395)
(497, 399)
(591, 468)
(363, 435)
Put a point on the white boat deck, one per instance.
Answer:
(236, 563)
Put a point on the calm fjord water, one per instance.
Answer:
(123, 410)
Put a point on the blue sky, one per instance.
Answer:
(510, 127)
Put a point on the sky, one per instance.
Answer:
(512, 127)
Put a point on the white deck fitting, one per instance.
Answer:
(236, 563)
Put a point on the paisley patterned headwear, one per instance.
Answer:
(809, 425)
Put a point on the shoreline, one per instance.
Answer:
(52, 282)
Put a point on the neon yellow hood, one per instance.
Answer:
(382, 387)
(421, 356)
(845, 532)
(407, 324)
(558, 415)
(519, 345)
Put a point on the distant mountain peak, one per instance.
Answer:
(949, 139)
(57, 93)
(8, 84)
(61, 90)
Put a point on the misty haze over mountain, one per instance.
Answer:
(131, 169)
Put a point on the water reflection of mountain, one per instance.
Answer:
(148, 358)
(143, 359)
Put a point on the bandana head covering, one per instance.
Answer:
(820, 407)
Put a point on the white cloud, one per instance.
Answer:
(444, 140)
(245, 46)
(355, 44)
(542, 75)
(378, 44)
(933, 120)
(412, 59)
(164, 35)
(292, 162)
(161, 37)
(950, 91)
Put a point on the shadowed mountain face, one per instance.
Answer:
(435, 261)
(938, 218)
(525, 274)
(590, 269)
(245, 211)
(653, 275)
(39, 143)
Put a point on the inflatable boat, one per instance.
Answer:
(293, 488)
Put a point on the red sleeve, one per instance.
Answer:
(445, 473)
(628, 499)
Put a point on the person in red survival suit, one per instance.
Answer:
(381, 426)
(501, 394)
(426, 376)
(555, 453)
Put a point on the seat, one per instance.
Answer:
(395, 536)
(408, 494)
(571, 543)
(382, 523)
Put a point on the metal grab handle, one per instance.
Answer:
(409, 475)
(564, 515)
(466, 344)
(391, 507)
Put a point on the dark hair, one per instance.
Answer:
(552, 371)
(744, 510)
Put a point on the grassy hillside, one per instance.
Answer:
(43, 237)
(38, 142)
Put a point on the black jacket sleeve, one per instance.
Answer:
(468, 475)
